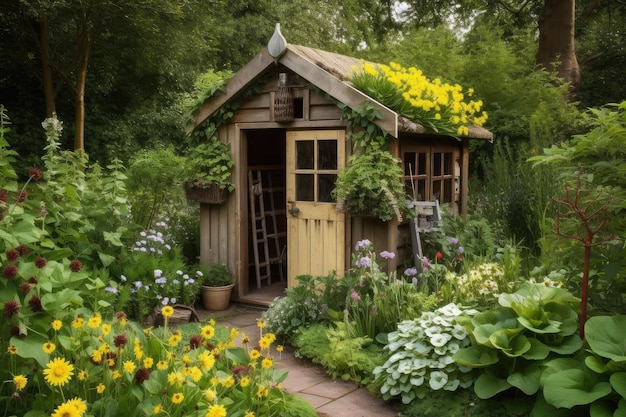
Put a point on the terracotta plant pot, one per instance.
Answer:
(216, 298)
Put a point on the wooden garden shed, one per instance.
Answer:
(281, 220)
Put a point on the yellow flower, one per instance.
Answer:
(94, 322)
(56, 324)
(167, 311)
(20, 382)
(196, 374)
(267, 363)
(264, 343)
(260, 323)
(157, 409)
(216, 410)
(79, 405)
(161, 365)
(106, 329)
(58, 372)
(279, 348)
(208, 332)
(178, 398)
(209, 394)
(175, 378)
(83, 375)
(117, 375)
(100, 388)
(228, 381)
(78, 323)
(49, 347)
(262, 392)
(66, 410)
(244, 382)
(129, 366)
(174, 339)
(148, 363)
(254, 354)
(12, 350)
(249, 414)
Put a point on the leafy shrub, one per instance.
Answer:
(510, 344)
(420, 357)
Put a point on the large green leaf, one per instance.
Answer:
(567, 345)
(606, 336)
(476, 356)
(570, 388)
(30, 348)
(511, 347)
(527, 380)
(538, 350)
(618, 382)
(487, 385)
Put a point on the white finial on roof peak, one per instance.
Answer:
(277, 44)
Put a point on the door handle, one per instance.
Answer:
(293, 210)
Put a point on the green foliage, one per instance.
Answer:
(420, 356)
(209, 163)
(535, 324)
(154, 176)
(215, 275)
(299, 307)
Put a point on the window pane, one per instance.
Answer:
(421, 165)
(409, 163)
(447, 191)
(437, 165)
(436, 191)
(304, 154)
(327, 154)
(326, 186)
(447, 163)
(304, 187)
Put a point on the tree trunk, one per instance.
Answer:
(556, 42)
(48, 88)
(81, 80)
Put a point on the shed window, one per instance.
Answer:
(316, 170)
(429, 173)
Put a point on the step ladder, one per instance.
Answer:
(263, 239)
(427, 219)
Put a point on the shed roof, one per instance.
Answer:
(327, 71)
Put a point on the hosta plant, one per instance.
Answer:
(510, 344)
(597, 378)
(421, 356)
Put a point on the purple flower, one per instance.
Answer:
(461, 249)
(364, 262)
(355, 296)
(387, 255)
(414, 280)
(111, 290)
(138, 284)
(161, 280)
(409, 272)
(453, 240)
(165, 301)
(173, 300)
(362, 244)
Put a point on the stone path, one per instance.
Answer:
(331, 398)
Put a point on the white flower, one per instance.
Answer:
(157, 273)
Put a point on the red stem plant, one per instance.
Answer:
(587, 210)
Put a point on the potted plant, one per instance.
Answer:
(372, 186)
(208, 172)
(217, 286)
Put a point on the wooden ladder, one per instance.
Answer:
(261, 238)
(425, 210)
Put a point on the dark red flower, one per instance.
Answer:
(34, 173)
(120, 315)
(25, 287)
(22, 195)
(35, 304)
(195, 341)
(12, 255)
(75, 265)
(40, 262)
(32, 281)
(240, 370)
(141, 375)
(9, 271)
(111, 359)
(11, 308)
(439, 255)
(4, 196)
(120, 340)
(23, 250)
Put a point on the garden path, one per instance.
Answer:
(330, 397)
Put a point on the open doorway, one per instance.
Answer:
(267, 216)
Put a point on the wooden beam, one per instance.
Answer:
(338, 89)
(242, 79)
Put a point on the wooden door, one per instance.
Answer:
(315, 230)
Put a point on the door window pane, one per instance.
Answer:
(326, 186)
(305, 154)
(305, 187)
(327, 154)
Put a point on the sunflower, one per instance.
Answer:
(58, 372)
